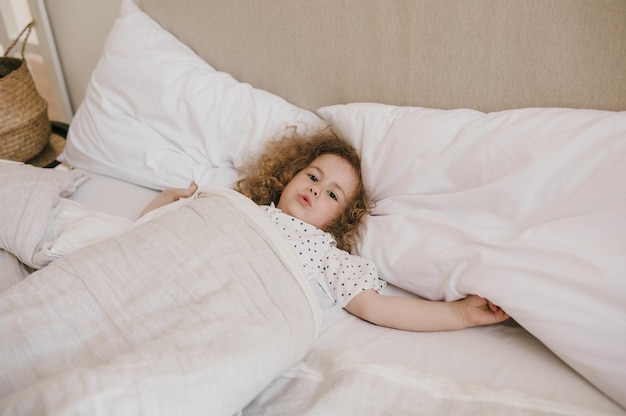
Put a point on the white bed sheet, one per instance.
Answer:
(503, 365)
(113, 196)
(502, 362)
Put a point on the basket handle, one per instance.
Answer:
(26, 30)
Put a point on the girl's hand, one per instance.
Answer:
(170, 195)
(174, 194)
(480, 311)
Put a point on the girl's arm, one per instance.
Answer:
(169, 195)
(413, 314)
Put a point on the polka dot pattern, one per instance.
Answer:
(341, 274)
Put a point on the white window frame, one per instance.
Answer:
(12, 14)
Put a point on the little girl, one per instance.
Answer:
(311, 187)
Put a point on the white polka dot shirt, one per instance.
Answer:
(340, 274)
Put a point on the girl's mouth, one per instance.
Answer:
(304, 200)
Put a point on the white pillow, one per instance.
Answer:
(157, 115)
(525, 207)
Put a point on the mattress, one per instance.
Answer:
(500, 369)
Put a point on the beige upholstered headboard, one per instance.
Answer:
(483, 54)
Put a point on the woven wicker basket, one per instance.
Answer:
(24, 123)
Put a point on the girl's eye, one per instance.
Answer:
(312, 177)
(332, 195)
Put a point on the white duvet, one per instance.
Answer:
(525, 207)
(193, 312)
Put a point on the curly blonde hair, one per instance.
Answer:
(265, 177)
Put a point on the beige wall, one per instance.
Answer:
(484, 54)
(80, 28)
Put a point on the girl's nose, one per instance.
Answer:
(313, 190)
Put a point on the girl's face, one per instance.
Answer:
(321, 191)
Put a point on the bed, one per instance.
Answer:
(493, 141)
